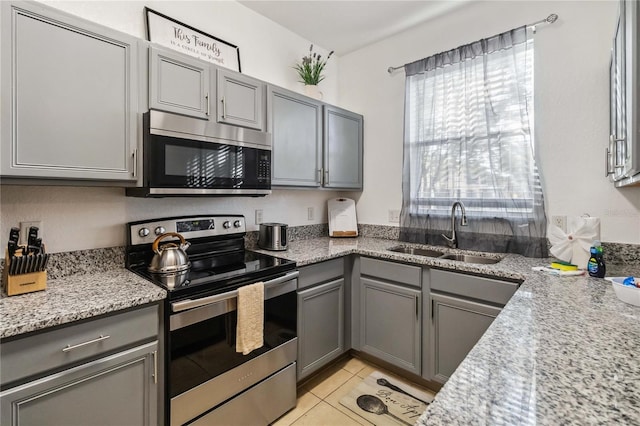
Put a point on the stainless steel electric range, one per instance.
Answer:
(206, 380)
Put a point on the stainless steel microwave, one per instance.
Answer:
(185, 157)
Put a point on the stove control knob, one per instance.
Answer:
(143, 232)
(159, 230)
(237, 224)
(226, 224)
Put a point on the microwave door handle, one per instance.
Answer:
(190, 304)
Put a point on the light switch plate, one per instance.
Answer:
(560, 222)
(24, 230)
(394, 216)
(258, 216)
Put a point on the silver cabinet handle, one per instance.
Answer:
(155, 366)
(224, 108)
(326, 177)
(206, 97)
(134, 156)
(79, 345)
(612, 141)
(417, 307)
(320, 176)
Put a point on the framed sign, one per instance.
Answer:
(168, 32)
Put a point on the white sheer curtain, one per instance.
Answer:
(469, 137)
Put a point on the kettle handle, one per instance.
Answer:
(154, 246)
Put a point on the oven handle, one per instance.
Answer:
(190, 304)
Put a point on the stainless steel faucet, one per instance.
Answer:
(453, 241)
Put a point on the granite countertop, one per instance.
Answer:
(562, 351)
(74, 297)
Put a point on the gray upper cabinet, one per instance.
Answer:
(314, 144)
(623, 152)
(69, 96)
(295, 122)
(178, 83)
(240, 100)
(343, 153)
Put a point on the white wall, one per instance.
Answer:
(82, 218)
(571, 101)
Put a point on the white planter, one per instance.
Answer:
(312, 91)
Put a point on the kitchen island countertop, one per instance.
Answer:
(562, 351)
(75, 297)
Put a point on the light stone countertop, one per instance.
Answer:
(75, 297)
(564, 350)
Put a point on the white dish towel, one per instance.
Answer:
(250, 329)
(573, 246)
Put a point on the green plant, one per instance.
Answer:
(310, 70)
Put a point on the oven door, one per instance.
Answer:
(204, 367)
(209, 167)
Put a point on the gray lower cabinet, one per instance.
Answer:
(462, 308)
(240, 100)
(457, 325)
(178, 83)
(116, 390)
(295, 122)
(390, 319)
(390, 313)
(343, 148)
(104, 371)
(68, 97)
(321, 315)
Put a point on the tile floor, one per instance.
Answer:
(319, 398)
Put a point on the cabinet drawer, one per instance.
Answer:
(320, 272)
(42, 352)
(391, 271)
(480, 288)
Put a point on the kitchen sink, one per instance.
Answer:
(467, 258)
(416, 251)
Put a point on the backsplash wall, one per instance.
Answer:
(77, 218)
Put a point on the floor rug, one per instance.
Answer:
(385, 400)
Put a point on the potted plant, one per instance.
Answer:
(310, 71)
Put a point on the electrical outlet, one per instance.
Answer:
(258, 216)
(560, 222)
(394, 216)
(24, 230)
(310, 213)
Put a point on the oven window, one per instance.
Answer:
(204, 350)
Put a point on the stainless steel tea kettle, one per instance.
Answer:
(170, 259)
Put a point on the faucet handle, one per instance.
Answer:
(450, 241)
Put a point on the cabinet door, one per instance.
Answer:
(617, 107)
(120, 389)
(240, 100)
(320, 326)
(295, 123)
(390, 323)
(457, 325)
(178, 83)
(342, 148)
(69, 96)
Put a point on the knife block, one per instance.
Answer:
(24, 283)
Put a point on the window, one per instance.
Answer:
(468, 137)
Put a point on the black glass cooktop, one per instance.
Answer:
(220, 273)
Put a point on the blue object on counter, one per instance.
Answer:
(630, 281)
(596, 266)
